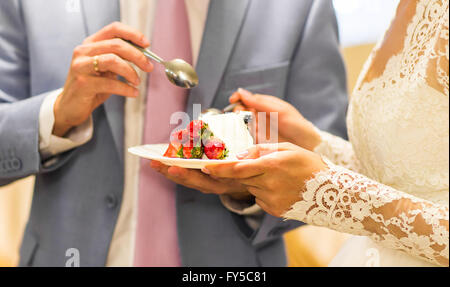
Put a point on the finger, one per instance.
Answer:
(109, 63)
(101, 98)
(261, 150)
(234, 97)
(196, 179)
(156, 164)
(235, 170)
(261, 103)
(239, 108)
(263, 205)
(255, 191)
(115, 64)
(258, 151)
(119, 30)
(259, 193)
(237, 96)
(121, 49)
(101, 85)
(267, 208)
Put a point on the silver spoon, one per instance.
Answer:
(227, 109)
(215, 111)
(178, 71)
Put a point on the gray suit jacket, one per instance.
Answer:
(286, 48)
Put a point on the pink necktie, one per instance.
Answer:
(156, 235)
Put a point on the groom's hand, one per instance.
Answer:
(195, 179)
(93, 72)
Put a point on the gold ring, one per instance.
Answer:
(96, 69)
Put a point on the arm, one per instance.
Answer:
(32, 126)
(337, 150)
(291, 182)
(26, 121)
(19, 113)
(349, 202)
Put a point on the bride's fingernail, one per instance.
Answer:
(205, 170)
(242, 154)
(244, 92)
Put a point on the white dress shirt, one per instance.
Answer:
(121, 251)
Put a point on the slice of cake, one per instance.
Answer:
(212, 136)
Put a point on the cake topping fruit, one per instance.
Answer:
(212, 136)
(193, 148)
(174, 150)
(215, 149)
(180, 136)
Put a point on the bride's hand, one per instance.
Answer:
(206, 184)
(292, 126)
(276, 176)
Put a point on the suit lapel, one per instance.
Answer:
(223, 25)
(114, 106)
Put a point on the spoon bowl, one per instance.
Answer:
(179, 72)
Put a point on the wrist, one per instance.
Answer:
(314, 139)
(309, 138)
(60, 126)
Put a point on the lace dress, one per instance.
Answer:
(390, 184)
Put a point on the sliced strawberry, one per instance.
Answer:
(193, 149)
(207, 134)
(180, 136)
(192, 152)
(173, 150)
(196, 125)
(215, 149)
(196, 128)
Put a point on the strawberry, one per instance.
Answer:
(192, 151)
(180, 136)
(173, 150)
(207, 134)
(215, 149)
(195, 128)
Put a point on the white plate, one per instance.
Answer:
(156, 151)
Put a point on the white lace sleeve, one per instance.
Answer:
(337, 150)
(349, 202)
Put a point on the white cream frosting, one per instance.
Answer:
(231, 129)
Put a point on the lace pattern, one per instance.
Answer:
(352, 203)
(391, 181)
(398, 123)
(337, 150)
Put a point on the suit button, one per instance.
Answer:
(111, 201)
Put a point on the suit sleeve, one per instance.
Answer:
(316, 87)
(317, 83)
(19, 110)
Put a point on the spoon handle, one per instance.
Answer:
(230, 107)
(146, 52)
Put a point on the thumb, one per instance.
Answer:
(260, 103)
(258, 151)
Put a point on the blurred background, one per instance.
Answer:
(361, 24)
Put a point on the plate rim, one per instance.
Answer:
(162, 158)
